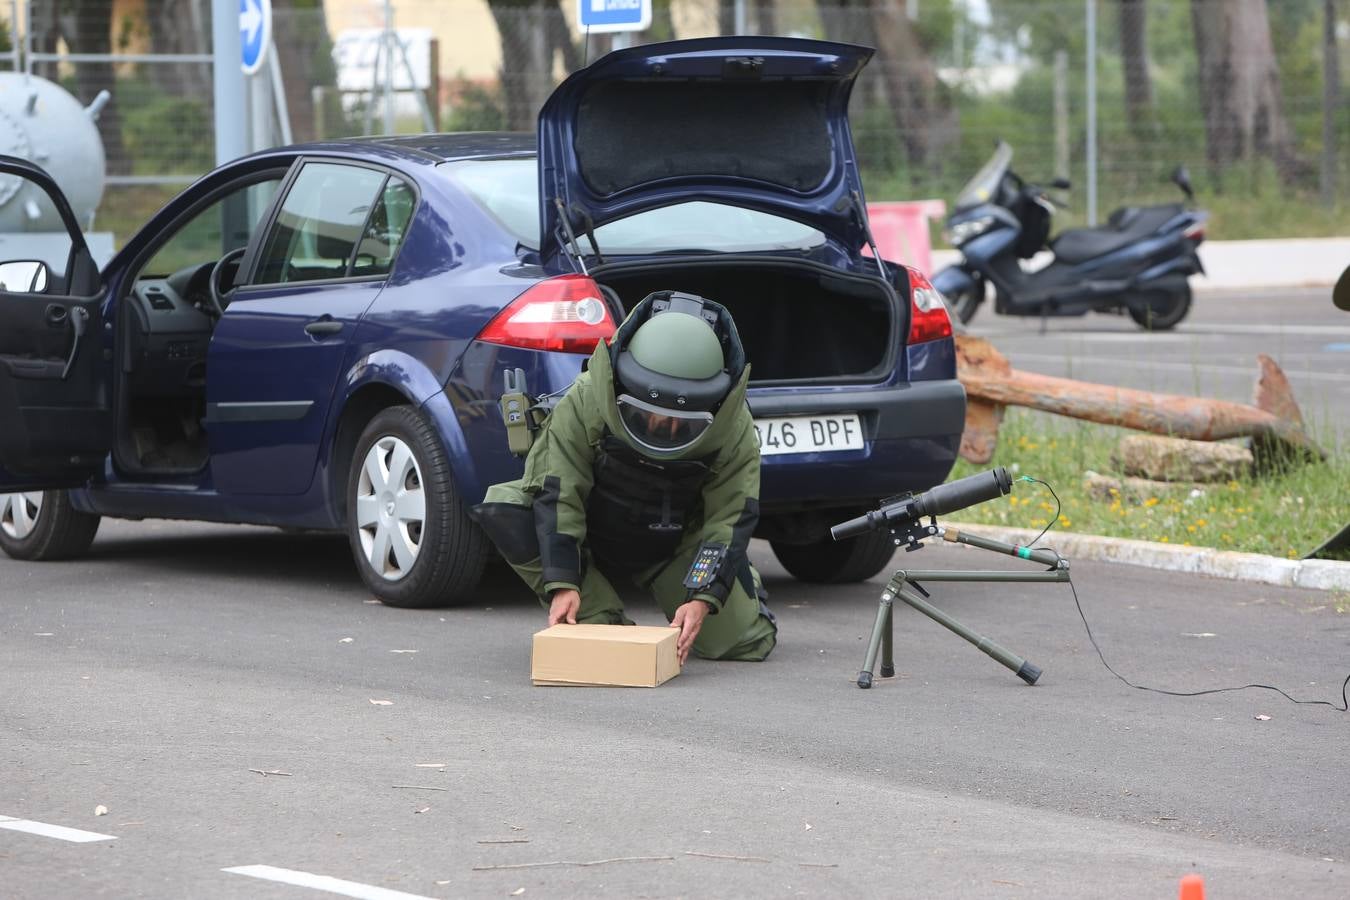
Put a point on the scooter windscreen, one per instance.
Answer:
(661, 429)
(983, 188)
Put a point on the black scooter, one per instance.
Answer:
(1137, 263)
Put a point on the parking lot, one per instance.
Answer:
(167, 674)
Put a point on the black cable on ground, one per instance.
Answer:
(1345, 686)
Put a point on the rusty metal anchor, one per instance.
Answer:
(1274, 422)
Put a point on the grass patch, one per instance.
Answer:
(1286, 514)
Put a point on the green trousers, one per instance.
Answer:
(744, 629)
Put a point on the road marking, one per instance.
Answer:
(1189, 331)
(60, 832)
(1175, 367)
(323, 883)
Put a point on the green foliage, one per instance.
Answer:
(162, 133)
(1287, 513)
(476, 109)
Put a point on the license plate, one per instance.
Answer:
(809, 434)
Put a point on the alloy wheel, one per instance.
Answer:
(19, 513)
(390, 508)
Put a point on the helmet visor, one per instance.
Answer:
(661, 429)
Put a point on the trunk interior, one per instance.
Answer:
(797, 320)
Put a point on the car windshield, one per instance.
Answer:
(984, 186)
(509, 190)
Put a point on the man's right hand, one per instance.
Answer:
(564, 606)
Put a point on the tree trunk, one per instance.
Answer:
(561, 37)
(1331, 101)
(766, 17)
(925, 125)
(179, 26)
(85, 28)
(1134, 60)
(526, 73)
(726, 17)
(305, 52)
(1240, 86)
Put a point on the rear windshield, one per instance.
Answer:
(509, 190)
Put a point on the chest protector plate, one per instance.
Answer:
(639, 508)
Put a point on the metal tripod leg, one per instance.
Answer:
(882, 639)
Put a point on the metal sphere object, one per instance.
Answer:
(41, 122)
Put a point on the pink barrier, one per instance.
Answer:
(901, 231)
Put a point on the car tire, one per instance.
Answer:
(409, 530)
(1162, 311)
(837, 562)
(42, 525)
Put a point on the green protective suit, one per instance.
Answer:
(591, 508)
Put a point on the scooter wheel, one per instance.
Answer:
(1159, 311)
(964, 304)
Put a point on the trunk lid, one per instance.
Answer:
(757, 122)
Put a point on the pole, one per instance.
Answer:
(14, 33)
(742, 23)
(388, 39)
(28, 38)
(228, 81)
(1331, 89)
(279, 96)
(1061, 114)
(260, 112)
(1091, 113)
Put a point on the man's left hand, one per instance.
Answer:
(689, 619)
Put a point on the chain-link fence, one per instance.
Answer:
(1246, 93)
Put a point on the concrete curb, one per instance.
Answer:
(1315, 574)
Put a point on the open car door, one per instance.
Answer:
(55, 409)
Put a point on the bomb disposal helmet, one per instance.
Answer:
(672, 374)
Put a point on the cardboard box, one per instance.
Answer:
(616, 655)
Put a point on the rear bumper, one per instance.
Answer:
(915, 410)
(911, 431)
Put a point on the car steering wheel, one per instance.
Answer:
(213, 282)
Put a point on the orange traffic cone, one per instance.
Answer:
(1192, 887)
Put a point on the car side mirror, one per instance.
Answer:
(24, 276)
(1340, 295)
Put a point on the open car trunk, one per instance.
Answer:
(797, 320)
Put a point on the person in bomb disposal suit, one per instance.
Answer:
(648, 471)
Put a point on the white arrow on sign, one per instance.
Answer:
(251, 19)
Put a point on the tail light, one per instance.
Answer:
(1196, 232)
(928, 319)
(566, 314)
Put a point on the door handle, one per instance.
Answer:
(323, 327)
(79, 318)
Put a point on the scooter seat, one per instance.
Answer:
(1124, 227)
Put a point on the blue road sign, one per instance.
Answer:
(614, 15)
(255, 33)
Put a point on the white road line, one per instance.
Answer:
(1088, 362)
(323, 883)
(60, 832)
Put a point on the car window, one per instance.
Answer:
(385, 229)
(319, 224)
(223, 226)
(509, 190)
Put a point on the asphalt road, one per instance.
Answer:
(1212, 353)
(153, 677)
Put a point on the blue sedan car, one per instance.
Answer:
(315, 337)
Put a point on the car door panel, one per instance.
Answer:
(270, 381)
(281, 345)
(55, 419)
